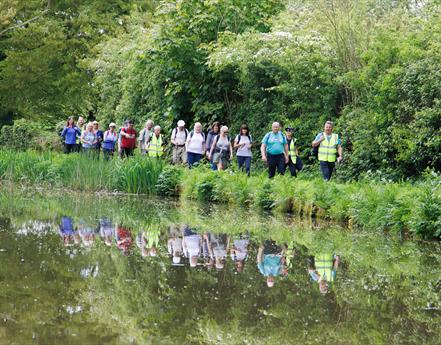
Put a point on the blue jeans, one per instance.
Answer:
(327, 168)
(193, 158)
(242, 162)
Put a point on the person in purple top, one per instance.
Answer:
(67, 231)
(70, 134)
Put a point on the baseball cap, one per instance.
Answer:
(112, 124)
(289, 129)
(181, 123)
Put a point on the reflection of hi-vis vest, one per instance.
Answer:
(324, 265)
(292, 151)
(155, 146)
(327, 151)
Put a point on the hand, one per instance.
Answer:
(339, 159)
(249, 146)
(264, 158)
(286, 159)
(322, 137)
(209, 157)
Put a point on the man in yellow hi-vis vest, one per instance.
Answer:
(329, 150)
(323, 270)
(292, 151)
(155, 145)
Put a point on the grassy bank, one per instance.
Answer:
(394, 207)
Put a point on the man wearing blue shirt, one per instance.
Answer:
(329, 150)
(274, 150)
(270, 260)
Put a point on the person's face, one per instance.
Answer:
(90, 128)
(225, 132)
(95, 126)
(289, 134)
(216, 129)
(244, 131)
(149, 125)
(80, 121)
(323, 287)
(112, 128)
(158, 131)
(130, 125)
(70, 122)
(275, 127)
(198, 128)
(239, 266)
(328, 128)
(270, 281)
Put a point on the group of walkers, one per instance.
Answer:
(209, 250)
(278, 148)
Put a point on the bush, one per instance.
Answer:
(169, 181)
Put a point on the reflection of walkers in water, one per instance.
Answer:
(322, 269)
(217, 245)
(87, 233)
(67, 231)
(239, 251)
(270, 261)
(174, 245)
(191, 245)
(124, 239)
(106, 231)
(148, 242)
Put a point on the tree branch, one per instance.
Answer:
(24, 23)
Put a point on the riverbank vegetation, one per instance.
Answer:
(401, 207)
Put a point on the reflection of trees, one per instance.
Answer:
(379, 295)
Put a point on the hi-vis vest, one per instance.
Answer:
(324, 265)
(155, 146)
(292, 151)
(328, 149)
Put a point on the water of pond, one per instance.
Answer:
(84, 269)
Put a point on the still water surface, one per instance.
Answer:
(79, 269)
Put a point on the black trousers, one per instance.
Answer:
(68, 148)
(292, 168)
(275, 162)
(126, 152)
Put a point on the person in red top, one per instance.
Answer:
(124, 239)
(128, 140)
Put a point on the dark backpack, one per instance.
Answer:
(239, 137)
(186, 133)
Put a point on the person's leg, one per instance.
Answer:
(240, 162)
(190, 159)
(325, 170)
(198, 158)
(331, 166)
(184, 155)
(129, 152)
(281, 165)
(248, 165)
(175, 158)
(272, 165)
(67, 148)
(292, 168)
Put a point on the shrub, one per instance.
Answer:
(168, 181)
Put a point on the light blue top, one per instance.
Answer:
(89, 138)
(270, 265)
(275, 143)
(328, 137)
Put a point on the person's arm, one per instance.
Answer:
(340, 153)
(260, 255)
(318, 141)
(63, 133)
(170, 247)
(204, 145)
(336, 262)
(173, 135)
(286, 153)
(236, 143)
(263, 152)
(231, 152)
(212, 149)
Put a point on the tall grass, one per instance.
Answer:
(393, 207)
(80, 172)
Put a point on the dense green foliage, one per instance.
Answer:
(394, 207)
(372, 66)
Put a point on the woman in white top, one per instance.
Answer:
(243, 143)
(221, 149)
(195, 145)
